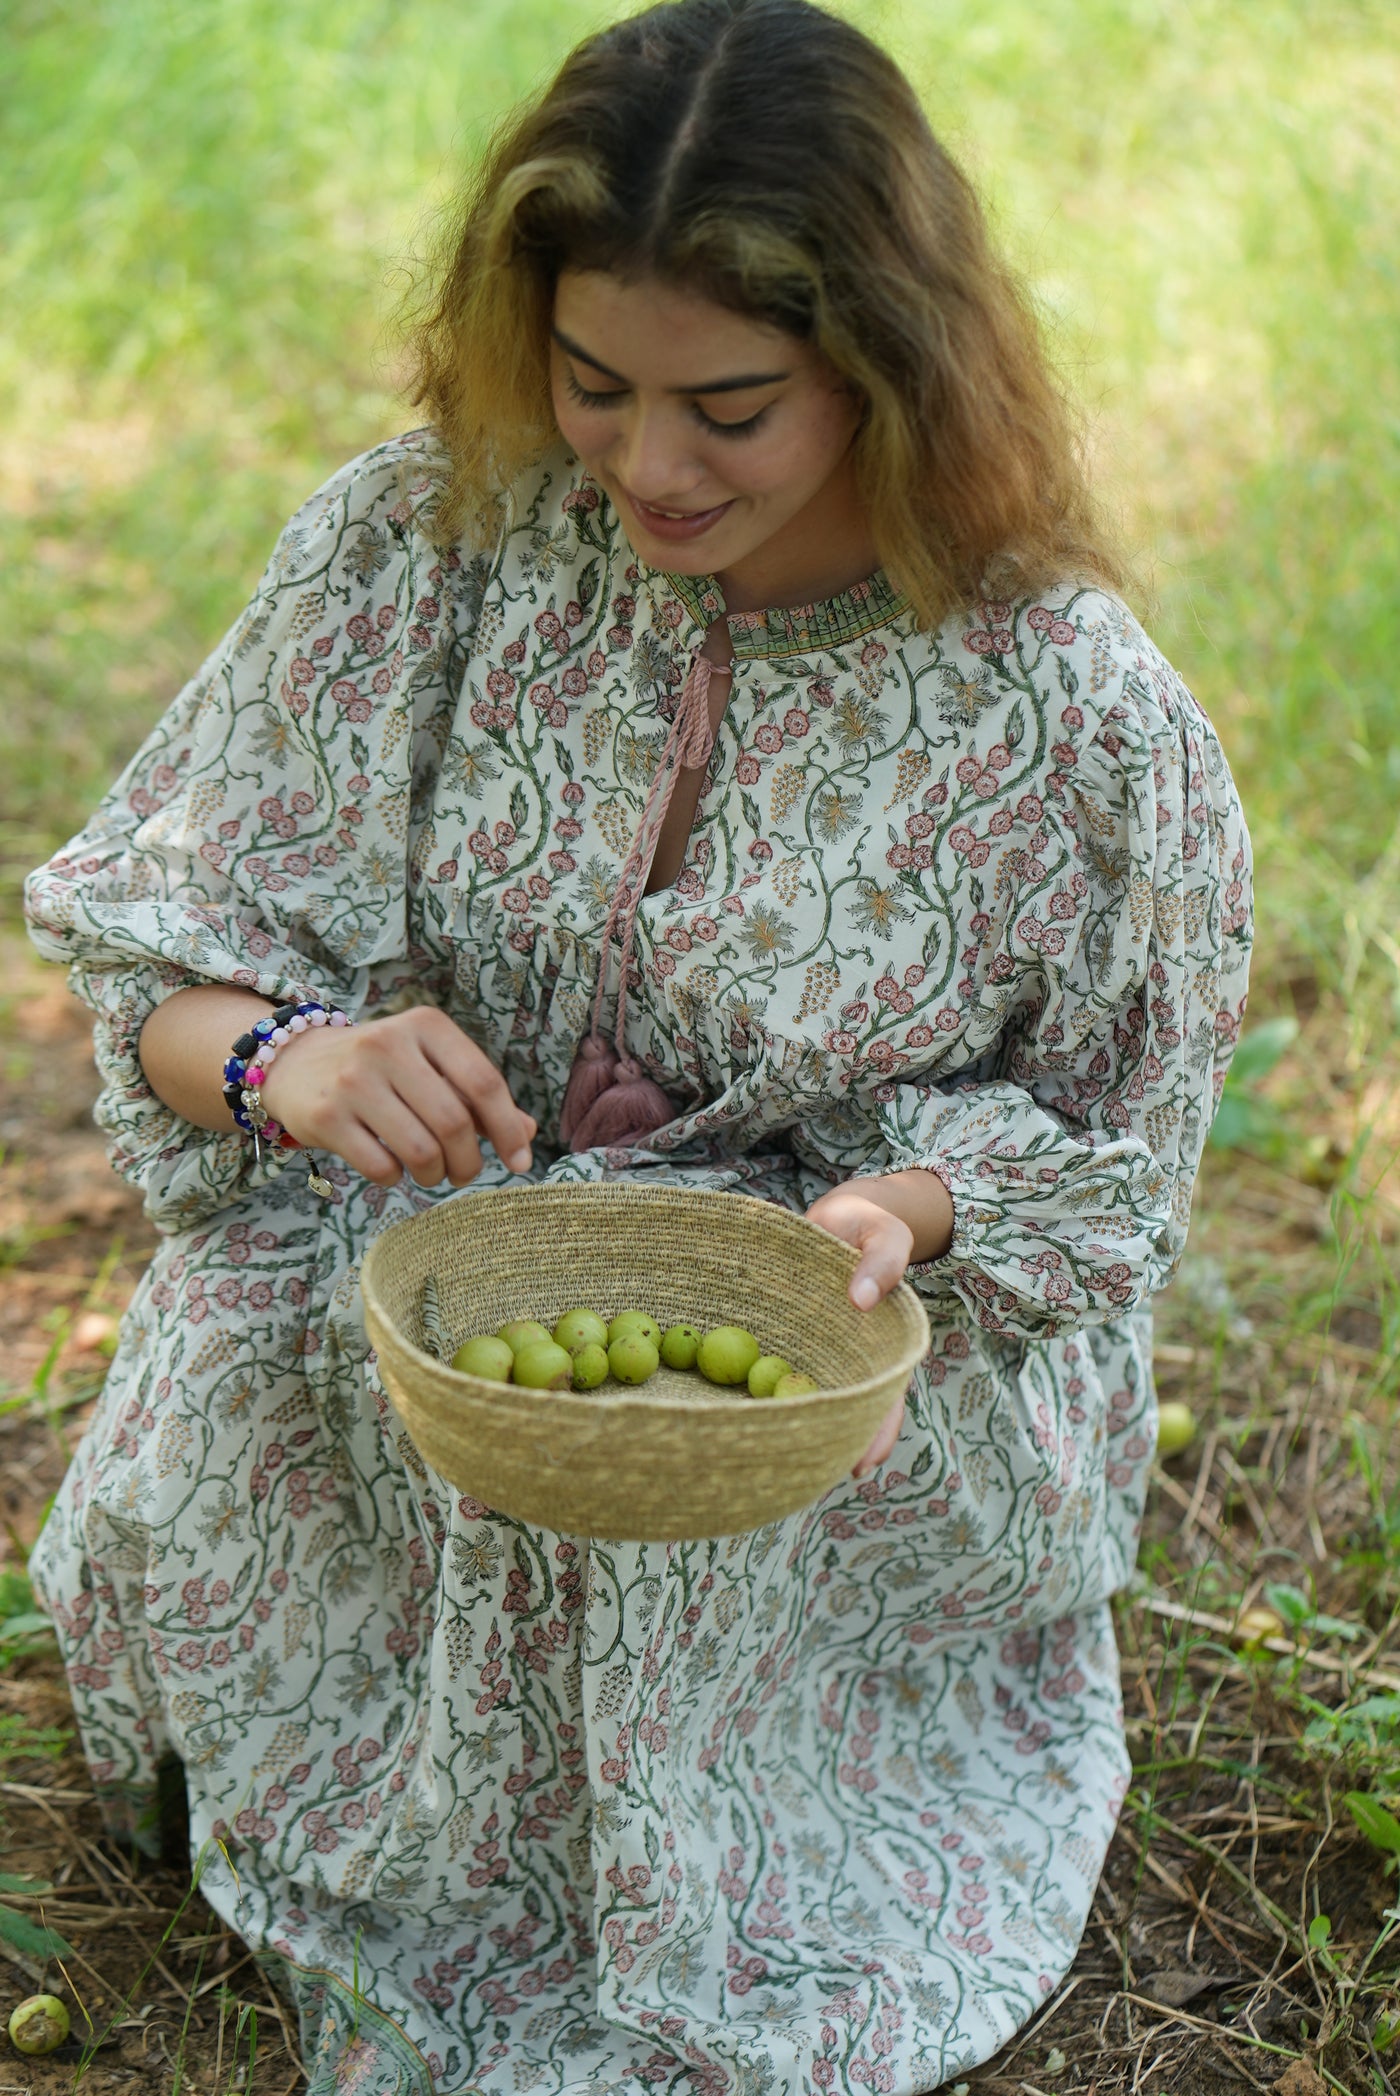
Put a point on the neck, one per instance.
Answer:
(826, 548)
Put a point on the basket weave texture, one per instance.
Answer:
(676, 1457)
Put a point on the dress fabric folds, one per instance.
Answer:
(817, 1808)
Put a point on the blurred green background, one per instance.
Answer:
(212, 211)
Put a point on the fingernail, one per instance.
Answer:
(864, 1292)
(862, 1470)
(519, 1161)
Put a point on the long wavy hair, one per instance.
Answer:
(770, 156)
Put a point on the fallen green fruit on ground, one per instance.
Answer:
(590, 1367)
(491, 1358)
(544, 1367)
(727, 1354)
(39, 2024)
(794, 1385)
(1176, 1429)
(524, 1331)
(632, 1357)
(679, 1346)
(764, 1375)
(633, 1321)
(578, 1328)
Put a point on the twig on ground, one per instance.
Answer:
(1198, 1517)
(1247, 1493)
(1283, 1648)
(1214, 2030)
(1194, 1900)
(30, 1967)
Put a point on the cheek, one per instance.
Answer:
(795, 462)
(574, 423)
(835, 421)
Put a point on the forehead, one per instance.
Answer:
(661, 334)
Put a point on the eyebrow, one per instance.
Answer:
(719, 385)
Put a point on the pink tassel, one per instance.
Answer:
(632, 1107)
(593, 1073)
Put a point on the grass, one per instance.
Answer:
(207, 220)
(210, 220)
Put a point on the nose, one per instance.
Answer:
(653, 457)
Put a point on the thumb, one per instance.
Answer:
(885, 1244)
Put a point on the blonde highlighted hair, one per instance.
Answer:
(771, 157)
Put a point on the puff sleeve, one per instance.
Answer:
(1071, 1148)
(262, 834)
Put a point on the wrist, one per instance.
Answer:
(284, 1067)
(251, 1059)
(921, 1200)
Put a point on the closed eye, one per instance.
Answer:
(587, 398)
(730, 429)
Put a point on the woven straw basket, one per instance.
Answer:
(676, 1457)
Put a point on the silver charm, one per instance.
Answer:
(257, 1118)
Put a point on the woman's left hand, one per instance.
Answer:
(886, 1245)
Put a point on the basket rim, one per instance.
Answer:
(824, 1399)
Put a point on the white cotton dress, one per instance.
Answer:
(817, 1808)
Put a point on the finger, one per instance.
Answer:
(885, 1439)
(885, 1247)
(447, 1121)
(362, 1150)
(400, 1129)
(477, 1080)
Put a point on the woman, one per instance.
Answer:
(711, 752)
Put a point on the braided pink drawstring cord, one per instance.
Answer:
(608, 1097)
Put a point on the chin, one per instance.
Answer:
(668, 558)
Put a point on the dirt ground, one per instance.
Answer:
(160, 1979)
(1197, 1974)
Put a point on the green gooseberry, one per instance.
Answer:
(491, 1358)
(628, 1321)
(590, 1367)
(679, 1346)
(726, 1354)
(632, 1357)
(39, 2024)
(578, 1328)
(544, 1367)
(524, 1331)
(764, 1374)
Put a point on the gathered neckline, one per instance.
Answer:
(795, 629)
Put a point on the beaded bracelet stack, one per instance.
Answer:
(250, 1059)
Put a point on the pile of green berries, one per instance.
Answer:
(583, 1350)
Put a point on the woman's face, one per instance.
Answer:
(723, 443)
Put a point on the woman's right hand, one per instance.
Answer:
(411, 1093)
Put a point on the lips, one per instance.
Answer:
(688, 524)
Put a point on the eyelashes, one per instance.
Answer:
(584, 397)
(588, 399)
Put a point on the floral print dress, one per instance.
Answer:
(817, 1808)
